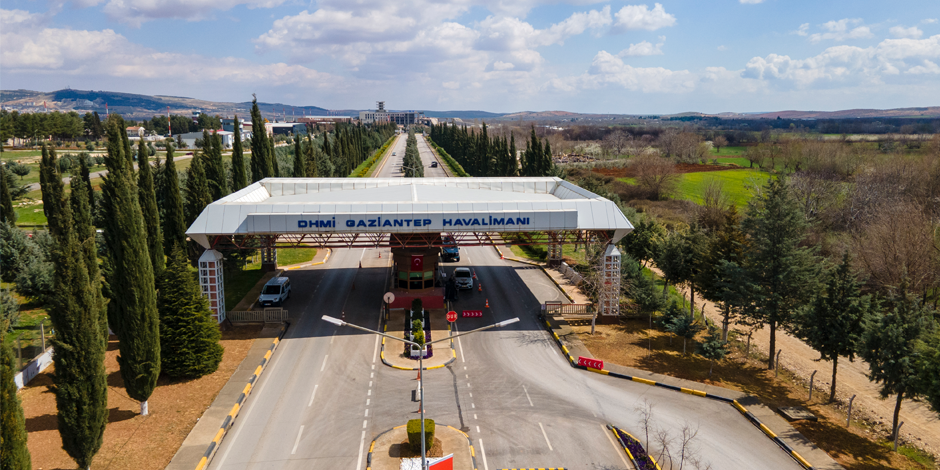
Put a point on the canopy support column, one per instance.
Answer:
(211, 282)
(554, 254)
(268, 259)
(609, 295)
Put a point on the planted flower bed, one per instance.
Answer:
(424, 318)
(635, 450)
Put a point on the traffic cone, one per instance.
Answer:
(487, 303)
(501, 255)
(480, 285)
(419, 375)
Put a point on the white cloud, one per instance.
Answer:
(608, 69)
(644, 48)
(928, 67)
(840, 30)
(846, 64)
(751, 2)
(803, 30)
(641, 17)
(137, 12)
(901, 32)
(929, 20)
(79, 53)
(451, 85)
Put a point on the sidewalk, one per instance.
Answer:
(816, 456)
(194, 447)
(567, 287)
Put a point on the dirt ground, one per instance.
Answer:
(632, 344)
(131, 440)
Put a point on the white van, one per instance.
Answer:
(274, 292)
(464, 278)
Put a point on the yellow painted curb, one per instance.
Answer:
(644, 381)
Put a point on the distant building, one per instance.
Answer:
(324, 119)
(285, 128)
(229, 125)
(136, 132)
(228, 138)
(402, 118)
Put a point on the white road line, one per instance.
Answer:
(368, 400)
(365, 423)
(527, 395)
(474, 416)
(367, 412)
(617, 448)
(546, 437)
(324, 363)
(483, 453)
(375, 350)
(370, 384)
(297, 441)
(371, 375)
(362, 442)
(471, 395)
(332, 337)
(478, 429)
(370, 393)
(473, 406)
(363, 254)
(313, 395)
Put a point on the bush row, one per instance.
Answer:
(363, 169)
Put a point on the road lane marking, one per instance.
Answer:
(362, 441)
(527, 395)
(370, 384)
(474, 416)
(313, 395)
(471, 395)
(478, 429)
(324, 363)
(297, 441)
(367, 401)
(546, 437)
(483, 453)
(473, 406)
(617, 448)
(371, 375)
(367, 412)
(375, 350)
(365, 423)
(370, 393)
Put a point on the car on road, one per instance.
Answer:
(464, 278)
(433, 164)
(450, 251)
(394, 153)
(274, 292)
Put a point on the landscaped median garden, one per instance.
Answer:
(365, 168)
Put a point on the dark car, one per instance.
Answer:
(433, 164)
(450, 252)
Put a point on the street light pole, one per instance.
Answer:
(338, 322)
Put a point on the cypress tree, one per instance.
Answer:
(148, 208)
(174, 223)
(239, 177)
(273, 170)
(260, 164)
(299, 166)
(513, 155)
(87, 239)
(85, 172)
(81, 388)
(215, 169)
(546, 160)
(186, 324)
(197, 189)
(132, 311)
(13, 452)
(7, 214)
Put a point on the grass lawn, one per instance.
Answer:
(540, 253)
(27, 326)
(737, 184)
(727, 152)
(289, 256)
(739, 161)
(239, 281)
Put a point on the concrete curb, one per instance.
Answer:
(473, 455)
(617, 432)
(539, 265)
(227, 423)
(750, 416)
(304, 265)
(439, 366)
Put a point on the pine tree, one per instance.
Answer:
(148, 208)
(214, 167)
(720, 280)
(189, 336)
(272, 157)
(13, 452)
(132, 311)
(835, 322)
(782, 275)
(174, 218)
(893, 345)
(197, 190)
(7, 214)
(239, 176)
(513, 155)
(300, 167)
(81, 388)
(713, 348)
(85, 172)
(261, 166)
(547, 162)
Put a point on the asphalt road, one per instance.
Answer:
(427, 156)
(391, 166)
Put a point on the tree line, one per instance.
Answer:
(481, 155)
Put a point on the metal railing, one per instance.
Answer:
(552, 308)
(268, 315)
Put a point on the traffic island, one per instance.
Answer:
(390, 449)
(393, 352)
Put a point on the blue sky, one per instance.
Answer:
(493, 55)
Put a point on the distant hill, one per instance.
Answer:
(463, 114)
(929, 111)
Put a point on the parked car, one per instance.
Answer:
(464, 278)
(275, 292)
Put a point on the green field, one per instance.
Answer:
(239, 281)
(289, 256)
(738, 184)
(728, 152)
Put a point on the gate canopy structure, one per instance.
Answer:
(407, 213)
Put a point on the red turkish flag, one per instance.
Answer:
(417, 262)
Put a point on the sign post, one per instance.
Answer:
(388, 298)
(451, 316)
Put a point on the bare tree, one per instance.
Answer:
(655, 174)
(719, 142)
(616, 142)
(715, 204)
(646, 419)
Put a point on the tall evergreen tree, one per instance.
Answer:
(261, 166)
(174, 218)
(87, 238)
(835, 322)
(781, 274)
(197, 189)
(148, 208)
(7, 214)
(13, 452)
(300, 167)
(214, 167)
(85, 172)
(893, 345)
(81, 388)
(188, 334)
(272, 157)
(132, 311)
(239, 176)
(547, 162)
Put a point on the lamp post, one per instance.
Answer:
(338, 322)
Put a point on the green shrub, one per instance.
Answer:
(414, 434)
(416, 306)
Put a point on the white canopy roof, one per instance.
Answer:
(275, 206)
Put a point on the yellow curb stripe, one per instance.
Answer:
(276, 340)
(565, 349)
(202, 463)
(218, 436)
(268, 354)
(740, 408)
(372, 447)
(691, 391)
(800, 459)
(234, 410)
(767, 431)
(246, 389)
(258, 371)
(644, 381)
(599, 371)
